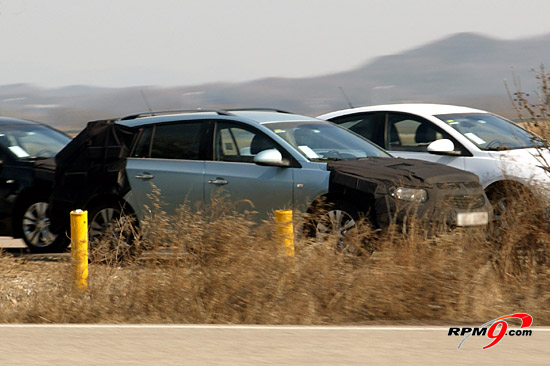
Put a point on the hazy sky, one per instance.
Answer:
(170, 42)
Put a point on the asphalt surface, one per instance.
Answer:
(9, 242)
(259, 345)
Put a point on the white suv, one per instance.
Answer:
(500, 152)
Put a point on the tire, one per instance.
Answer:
(112, 233)
(34, 225)
(504, 198)
(338, 221)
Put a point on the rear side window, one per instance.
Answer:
(143, 144)
(368, 125)
(177, 141)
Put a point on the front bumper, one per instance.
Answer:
(458, 205)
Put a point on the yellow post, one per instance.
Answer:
(79, 249)
(285, 229)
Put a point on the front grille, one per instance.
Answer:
(458, 185)
(472, 185)
(467, 201)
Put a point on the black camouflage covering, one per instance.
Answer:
(92, 163)
(366, 183)
(366, 174)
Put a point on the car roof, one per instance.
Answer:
(15, 121)
(414, 108)
(272, 116)
(259, 115)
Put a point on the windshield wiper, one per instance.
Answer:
(499, 148)
(31, 158)
(326, 159)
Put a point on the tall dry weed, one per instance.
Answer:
(216, 265)
(533, 108)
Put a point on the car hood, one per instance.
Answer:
(394, 171)
(44, 169)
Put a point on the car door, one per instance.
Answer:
(168, 156)
(232, 170)
(12, 175)
(408, 136)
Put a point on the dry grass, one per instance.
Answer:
(215, 266)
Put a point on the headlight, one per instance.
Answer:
(409, 194)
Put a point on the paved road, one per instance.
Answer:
(9, 242)
(219, 345)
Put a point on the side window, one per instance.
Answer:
(177, 141)
(238, 143)
(368, 125)
(412, 133)
(143, 144)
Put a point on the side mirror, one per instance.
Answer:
(442, 147)
(270, 157)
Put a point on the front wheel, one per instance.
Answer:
(34, 223)
(338, 221)
(508, 200)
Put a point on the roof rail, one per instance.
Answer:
(163, 113)
(257, 109)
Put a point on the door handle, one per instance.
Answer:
(144, 176)
(218, 181)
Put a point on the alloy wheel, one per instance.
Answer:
(105, 221)
(335, 223)
(36, 226)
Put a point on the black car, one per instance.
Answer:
(27, 172)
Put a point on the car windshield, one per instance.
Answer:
(322, 141)
(490, 132)
(32, 141)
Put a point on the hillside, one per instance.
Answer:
(465, 68)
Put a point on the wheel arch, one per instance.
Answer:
(109, 198)
(502, 188)
(365, 205)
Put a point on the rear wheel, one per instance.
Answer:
(112, 232)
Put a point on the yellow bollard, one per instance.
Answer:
(79, 249)
(283, 219)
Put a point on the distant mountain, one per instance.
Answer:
(466, 68)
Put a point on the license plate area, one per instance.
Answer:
(472, 218)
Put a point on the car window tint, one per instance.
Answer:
(177, 141)
(239, 143)
(143, 144)
(411, 133)
(27, 141)
(368, 125)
